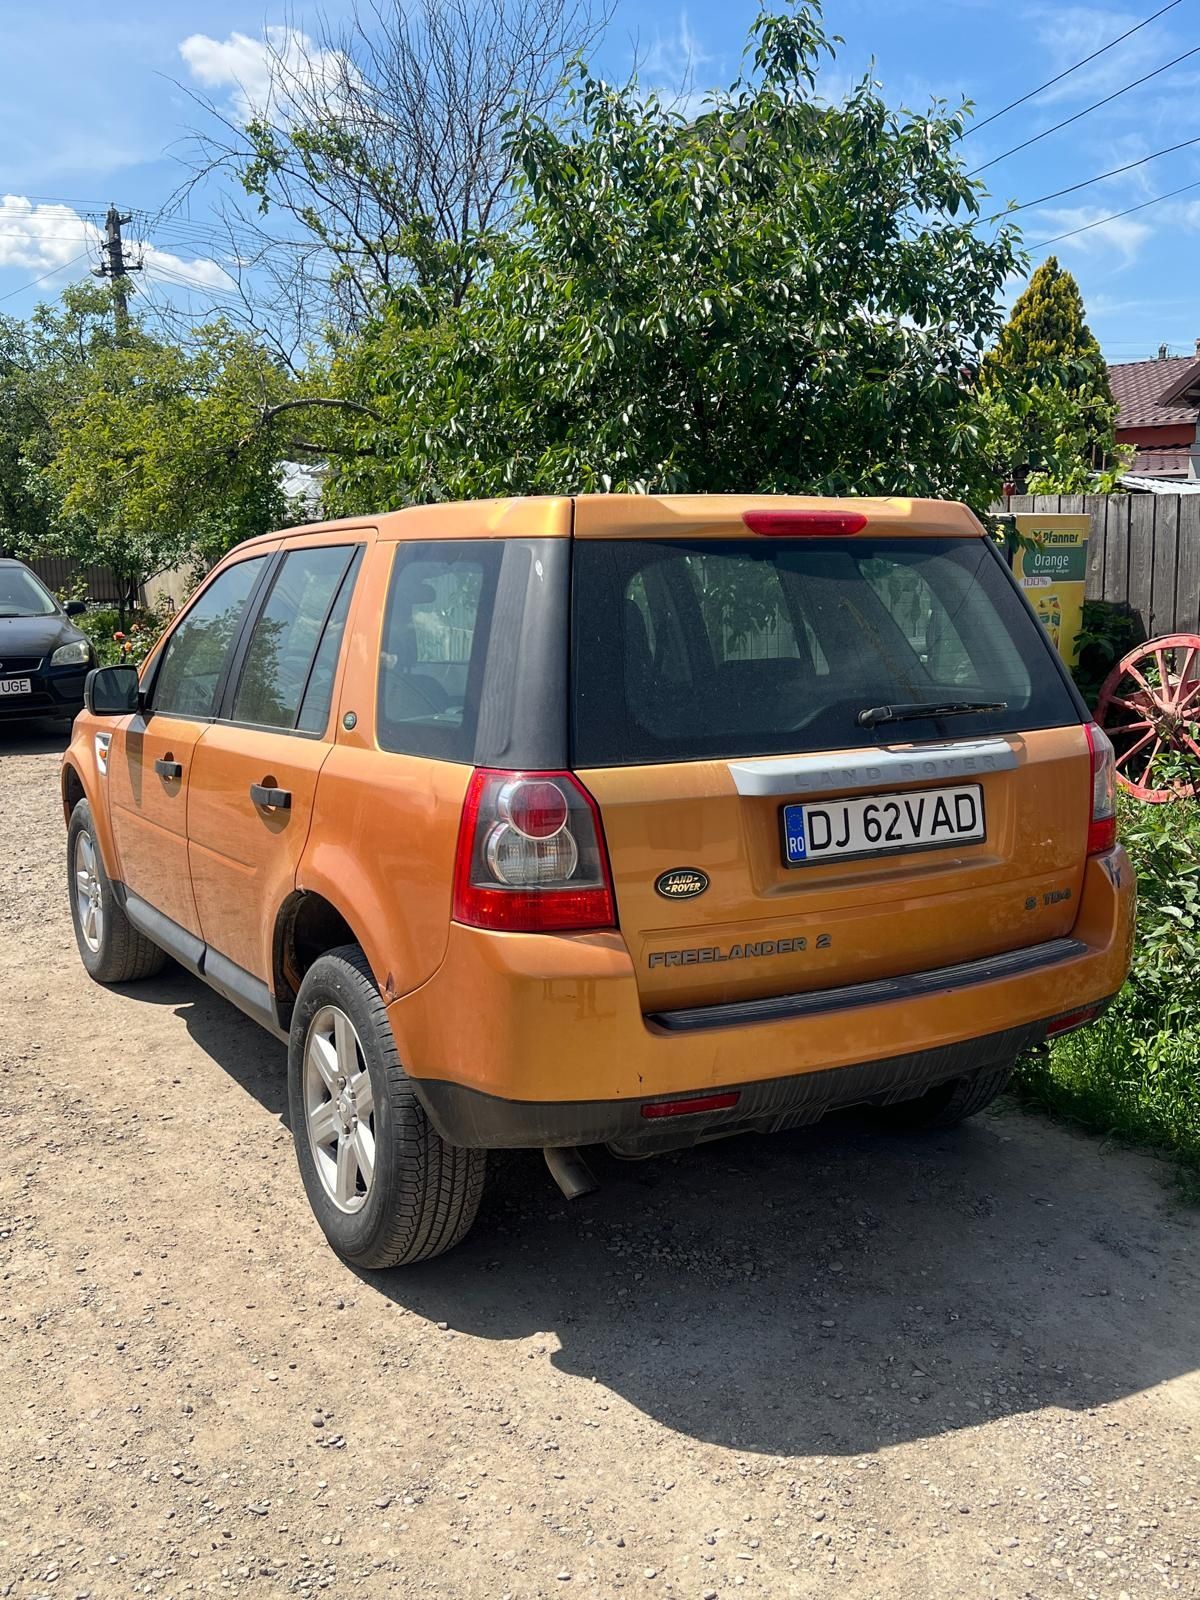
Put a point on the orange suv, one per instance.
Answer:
(612, 820)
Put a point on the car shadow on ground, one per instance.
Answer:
(35, 737)
(834, 1290)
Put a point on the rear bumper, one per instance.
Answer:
(466, 1117)
(523, 1040)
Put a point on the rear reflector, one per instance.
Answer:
(805, 524)
(1073, 1019)
(684, 1108)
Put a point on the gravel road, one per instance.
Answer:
(832, 1363)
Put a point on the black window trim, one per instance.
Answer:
(227, 694)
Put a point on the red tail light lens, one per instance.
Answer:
(531, 855)
(799, 524)
(1102, 829)
(1072, 1020)
(693, 1103)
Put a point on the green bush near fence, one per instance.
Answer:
(1135, 1074)
(115, 644)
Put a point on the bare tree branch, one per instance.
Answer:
(379, 155)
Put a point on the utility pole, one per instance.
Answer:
(116, 267)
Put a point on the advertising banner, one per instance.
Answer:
(1050, 564)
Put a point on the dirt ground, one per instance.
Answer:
(834, 1363)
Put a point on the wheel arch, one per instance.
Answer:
(73, 789)
(307, 925)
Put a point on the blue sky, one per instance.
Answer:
(93, 112)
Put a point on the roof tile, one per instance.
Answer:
(1137, 385)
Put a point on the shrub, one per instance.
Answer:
(1134, 1073)
(131, 644)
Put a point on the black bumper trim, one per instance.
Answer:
(473, 1119)
(777, 1008)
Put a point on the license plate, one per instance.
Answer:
(879, 824)
(15, 686)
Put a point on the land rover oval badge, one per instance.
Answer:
(681, 883)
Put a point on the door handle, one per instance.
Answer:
(272, 799)
(168, 769)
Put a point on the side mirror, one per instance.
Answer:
(111, 691)
(74, 608)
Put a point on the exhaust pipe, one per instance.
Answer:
(570, 1172)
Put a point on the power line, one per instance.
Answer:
(1067, 121)
(1099, 178)
(1050, 82)
(62, 267)
(1158, 199)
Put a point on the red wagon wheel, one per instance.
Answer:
(1149, 707)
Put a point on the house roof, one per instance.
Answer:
(1161, 461)
(1139, 387)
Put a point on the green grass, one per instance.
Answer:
(1112, 1079)
(1135, 1074)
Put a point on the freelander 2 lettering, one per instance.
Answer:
(736, 952)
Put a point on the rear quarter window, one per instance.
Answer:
(687, 649)
(433, 647)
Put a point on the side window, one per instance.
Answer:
(434, 639)
(195, 654)
(285, 639)
(314, 708)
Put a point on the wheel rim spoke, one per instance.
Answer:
(364, 1098)
(346, 1179)
(363, 1142)
(324, 1058)
(345, 1045)
(323, 1123)
(1134, 748)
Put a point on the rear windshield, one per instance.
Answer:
(686, 649)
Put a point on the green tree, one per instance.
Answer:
(775, 294)
(134, 453)
(1048, 410)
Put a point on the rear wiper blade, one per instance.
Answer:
(932, 708)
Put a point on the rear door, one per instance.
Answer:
(255, 770)
(151, 754)
(770, 830)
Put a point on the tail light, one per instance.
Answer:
(814, 524)
(531, 855)
(1102, 829)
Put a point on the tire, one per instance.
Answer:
(948, 1104)
(385, 1188)
(110, 947)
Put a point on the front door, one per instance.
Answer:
(150, 759)
(255, 770)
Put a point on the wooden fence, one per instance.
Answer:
(62, 572)
(1144, 552)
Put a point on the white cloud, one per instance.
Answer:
(51, 238)
(1123, 235)
(1069, 33)
(670, 65)
(260, 74)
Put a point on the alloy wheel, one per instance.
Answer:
(339, 1108)
(88, 901)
